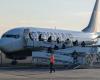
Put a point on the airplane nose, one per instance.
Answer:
(11, 44)
(5, 42)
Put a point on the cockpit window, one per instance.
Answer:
(10, 36)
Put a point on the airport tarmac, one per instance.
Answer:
(43, 74)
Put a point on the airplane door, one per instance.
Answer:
(28, 38)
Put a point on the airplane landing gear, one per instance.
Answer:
(14, 62)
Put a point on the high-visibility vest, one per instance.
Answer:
(52, 59)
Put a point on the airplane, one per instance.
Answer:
(19, 43)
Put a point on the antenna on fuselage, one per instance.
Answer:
(55, 27)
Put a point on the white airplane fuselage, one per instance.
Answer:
(13, 40)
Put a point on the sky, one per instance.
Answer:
(62, 14)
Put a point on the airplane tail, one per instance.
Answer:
(92, 24)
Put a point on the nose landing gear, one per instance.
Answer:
(14, 62)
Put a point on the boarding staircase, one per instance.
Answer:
(87, 55)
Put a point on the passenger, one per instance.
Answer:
(67, 41)
(56, 47)
(40, 37)
(75, 43)
(83, 44)
(63, 46)
(50, 50)
(75, 56)
(50, 39)
(52, 61)
(58, 40)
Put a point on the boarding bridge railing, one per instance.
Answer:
(86, 57)
(35, 43)
(82, 50)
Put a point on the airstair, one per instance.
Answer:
(63, 56)
(43, 57)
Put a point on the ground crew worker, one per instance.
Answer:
(75, 56)
(52, 61)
